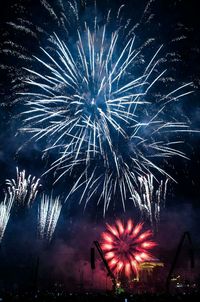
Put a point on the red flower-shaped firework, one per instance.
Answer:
(125, 246)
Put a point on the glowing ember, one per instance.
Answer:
(126, 246)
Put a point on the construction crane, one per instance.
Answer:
(110, 273)
(186, 235)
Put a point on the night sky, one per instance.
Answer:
(77, 228)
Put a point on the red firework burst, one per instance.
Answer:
(126, 246)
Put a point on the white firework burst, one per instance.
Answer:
(92, 108)
(23, 188)
(91, 102)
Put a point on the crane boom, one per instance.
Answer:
(110, 273)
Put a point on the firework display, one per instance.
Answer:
(48, 215)
(98, 103)
(5, 208)
(91, 98)
(126, 246)
(99, 110)
(24, 189)
(98, 114)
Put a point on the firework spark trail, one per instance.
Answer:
(146, 196)
(24, 189)
(149, 198)
(126, 246)
(5, 208)
(48, 215)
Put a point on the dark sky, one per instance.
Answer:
(171, 18)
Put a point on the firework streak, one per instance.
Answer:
(149, 198)
(5, 208)
(48, 215)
